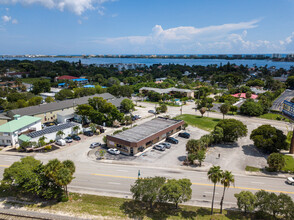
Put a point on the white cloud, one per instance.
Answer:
(6, 18)
(76, 6)
(225, 38)
(14, 21)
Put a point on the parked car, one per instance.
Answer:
(68, 140)
(172, 140)
(113, 151)
(159, 147)
(290, 180)
(88, 133)
(95, 144)
(61, 142)
(76, 137)
(184, 135)
(152, 112)
(167, 145)
(137, 117)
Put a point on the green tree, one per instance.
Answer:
(217, 134)
(214, 175)
(35, 101)
(224, 109)
(49, 99)
(246, 201)
(64, 94)
(251, 108)
(93, 127)
(200, 156)
(290, 82)
(147, 189)
(232, 129)
(41, 86)
(76, 129)
(41, 141)
(59, 134)
(176, 191)
(248, 95)
(127, 105)
(233, 108)
(269, 139)
(84, 111)
(226, 180)
(193, 146)
(276, 161)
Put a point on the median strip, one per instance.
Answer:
(199, 184)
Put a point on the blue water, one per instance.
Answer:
(151, 61)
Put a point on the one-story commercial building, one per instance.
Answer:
(48, 112)
(138, 138)
(50, 133)
(170, 91)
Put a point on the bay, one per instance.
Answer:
(151, 61)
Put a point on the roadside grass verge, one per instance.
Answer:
(91, 206)
(274, 116)
(252, 169)
(204, 123)
(289, 165)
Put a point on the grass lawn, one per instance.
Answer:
(89, 206)
(289, 166)
(252, 169)
(32, 80)
(274, 116)
(204, 123)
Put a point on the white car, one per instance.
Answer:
(113, 151)
(61, 142)
(290, 180)
(95, 144)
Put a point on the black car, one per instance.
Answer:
(76, 137)
(172, 140)
(184, 135)
(88, 133)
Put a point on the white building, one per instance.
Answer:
(50, 133)
(65, 115)
(10, 131)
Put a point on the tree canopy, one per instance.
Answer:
(232, 129)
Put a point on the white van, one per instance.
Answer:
(61, 142)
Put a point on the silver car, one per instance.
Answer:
(290, 180)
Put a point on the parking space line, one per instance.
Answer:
(199, 184)
(114, 183)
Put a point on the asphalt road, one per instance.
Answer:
(278, 103)
(109, 179)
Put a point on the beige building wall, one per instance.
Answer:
(3, 121)
(49, 116)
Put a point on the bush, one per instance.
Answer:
(251, 108)
(48, 147)
(276, 161)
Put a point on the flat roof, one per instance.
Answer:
(168, 90)
(146, 129)
(58, 105)
(15, 125)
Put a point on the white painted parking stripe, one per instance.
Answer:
(122, 170)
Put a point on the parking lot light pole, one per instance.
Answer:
(139, 174)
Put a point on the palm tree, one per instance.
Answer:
(214, 175)
(76, 129)
(60, 134)
(93, 127)
(227, 180)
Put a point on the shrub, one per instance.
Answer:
(48, 147)
(276, 161)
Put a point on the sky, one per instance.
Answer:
(68, 27)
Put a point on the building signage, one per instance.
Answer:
(288, 109)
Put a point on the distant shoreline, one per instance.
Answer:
(216, 57)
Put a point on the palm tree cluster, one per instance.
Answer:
(226, 178)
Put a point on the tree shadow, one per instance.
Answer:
(139, 210)
(227, 145)
(182, 158)
(251, 150)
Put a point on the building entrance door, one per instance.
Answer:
(132, 152)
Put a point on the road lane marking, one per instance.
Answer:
(211, 192)
(114, 183)
(257, 182)
(106, 175)
(4, 165)
(122, 170)
(200, 184)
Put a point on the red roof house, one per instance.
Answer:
(66, 77)
(243, 95)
